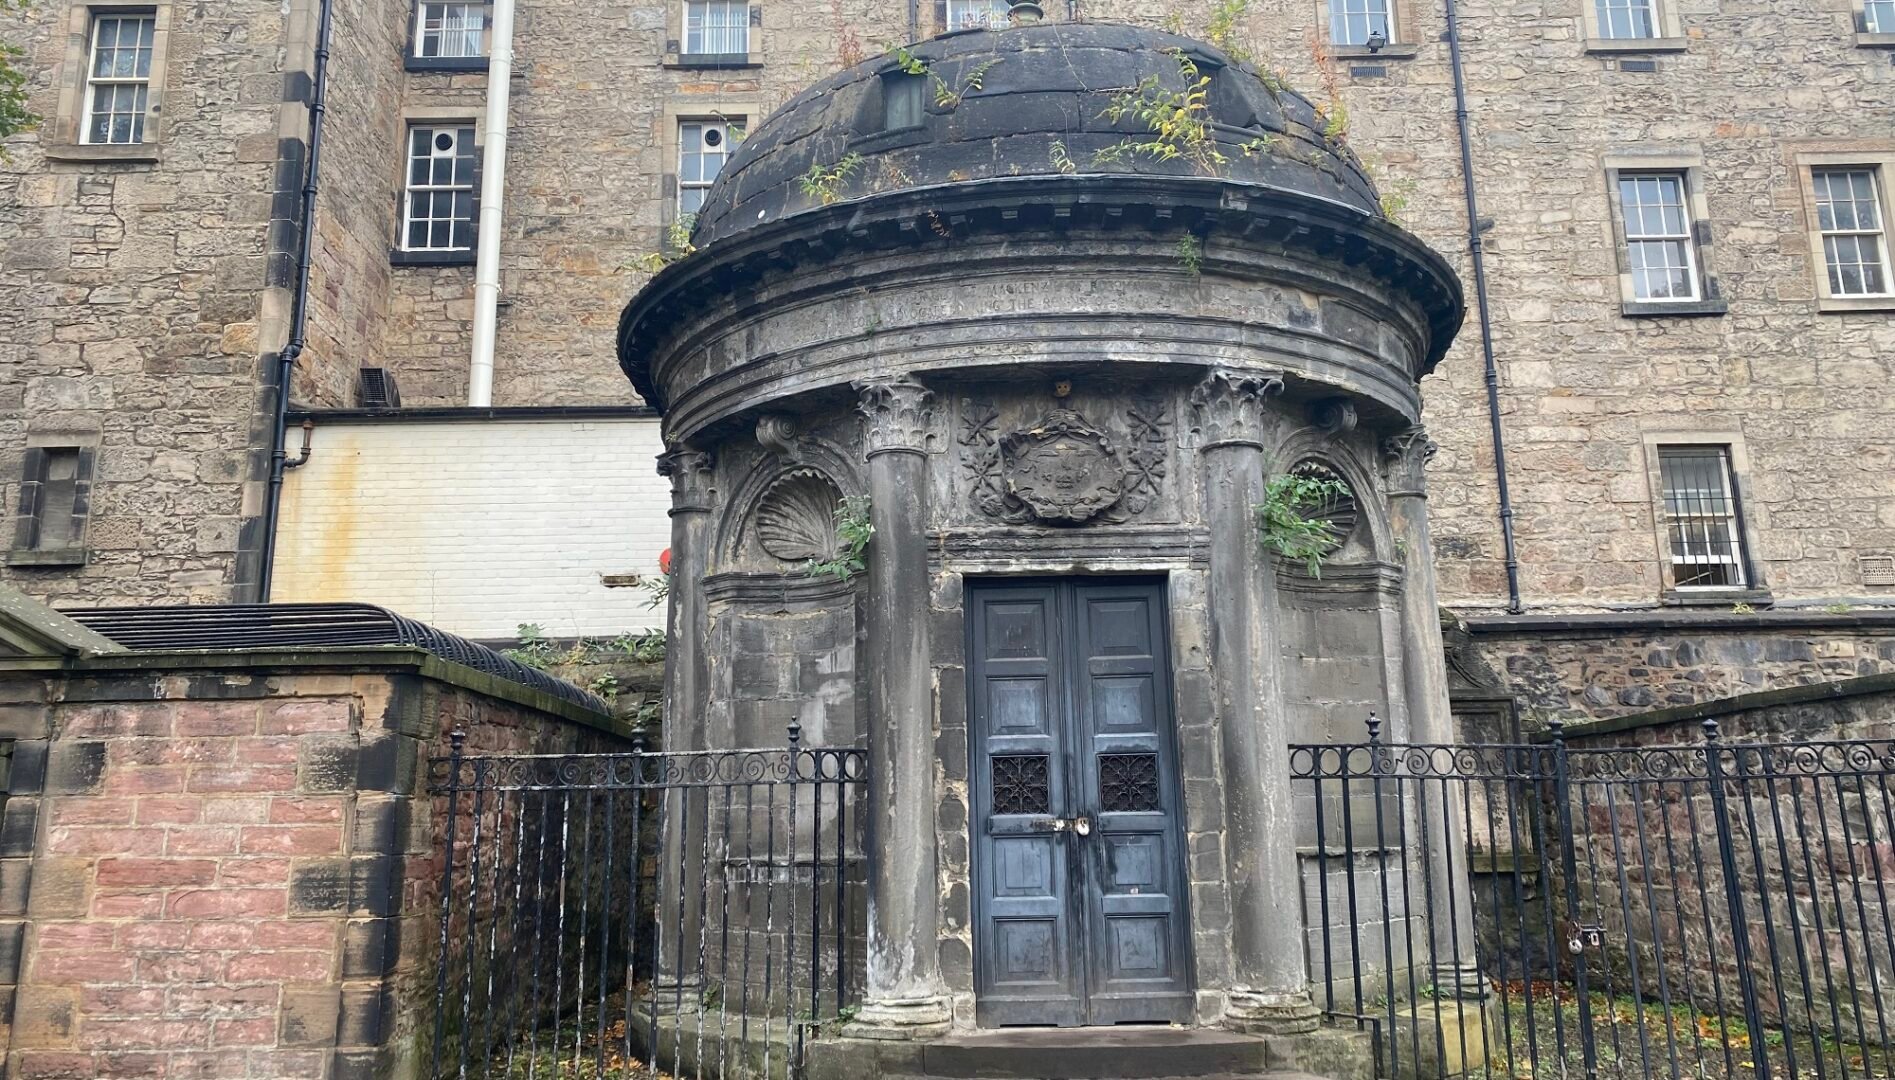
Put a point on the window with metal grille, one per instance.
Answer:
(1352, 21)
(438, 202)
(703, 147)
(1878, 16)
(1849, 217)
(1703, 525)
(118, 78)
(1659, 249)
(1627, 19)
(452, 31)
(976, 14)
(716, 27)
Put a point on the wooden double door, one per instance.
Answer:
(1080, 906)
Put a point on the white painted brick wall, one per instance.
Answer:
(478, 526)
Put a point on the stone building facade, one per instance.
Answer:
(146, 290)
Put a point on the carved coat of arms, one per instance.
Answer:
(1061, 470)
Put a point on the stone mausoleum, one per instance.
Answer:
(1056, 354)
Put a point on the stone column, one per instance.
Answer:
(905, 997)
(1269, 989)
(687, 695)
(1425, 683)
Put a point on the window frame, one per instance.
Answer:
(1754, 588)
(1878, 157)
(743, 111)
(1873, 35)
(1688, 164)
(413, 60)
(726, 125)
(677, 37)
(1402, 42)
(64, 138)
(1667, 30)
(29, 547)
(944, 15)
(94, 82)
(400, 253)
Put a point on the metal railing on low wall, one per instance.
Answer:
(1718, 909)
(697, 913)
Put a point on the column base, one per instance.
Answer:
(1270, 1012)
(901, 1019)
(1463, 982)
(676, 995)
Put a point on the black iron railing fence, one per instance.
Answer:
(614, 915)
(1709, 910)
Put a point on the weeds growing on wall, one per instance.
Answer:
(825, 183)
(1290, 522)
(1179, 120)
(15, 117)
(853, 533)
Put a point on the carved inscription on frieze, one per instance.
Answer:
(1061, 469)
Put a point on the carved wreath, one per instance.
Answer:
(1062, 470)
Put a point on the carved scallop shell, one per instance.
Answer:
(796, 516)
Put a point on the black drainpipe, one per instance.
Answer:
(1491, 371)
(299, 308)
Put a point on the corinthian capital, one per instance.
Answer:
(690, 474)
(1229, 406)
(900, 414)
(1405, 457)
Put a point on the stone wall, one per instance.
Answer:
(1580, 668)
(135, 302)
(221, 869)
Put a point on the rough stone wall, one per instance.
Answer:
(207, 868)
(1615, 671)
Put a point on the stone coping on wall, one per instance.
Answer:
(448, 414)
(1588, 623)
(361, 659)
(1703, 710)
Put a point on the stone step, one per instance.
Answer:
(1120, 1053)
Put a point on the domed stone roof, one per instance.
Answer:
(1039, 100)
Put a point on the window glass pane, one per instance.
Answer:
(1849, 215)
(1659, 251)
(1626, 19)
(1704, 533)
(976, 14)
(716, 27)
(901, 95)
(1352, 21)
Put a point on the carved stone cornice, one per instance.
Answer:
(1405, 457)
(1229, 407)
(899, 412)
(690, 473)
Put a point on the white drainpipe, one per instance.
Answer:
(493, 184)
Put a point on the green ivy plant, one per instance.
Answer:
(1222, 29)
(677, 246)
(853, 533)
(1191, 254)
(1289, 521)
(825, 183)
(945, 96)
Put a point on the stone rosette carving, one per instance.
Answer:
(899, 412)
(1405, 457)
(690, 473)
(1061, 469)
(796, 516)
(1230, 407)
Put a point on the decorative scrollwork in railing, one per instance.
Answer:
(701, 768)
(1419, 761)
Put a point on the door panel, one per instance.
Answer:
(1070, 718)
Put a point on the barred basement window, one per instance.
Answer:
(1352, 21)
(118, 78)
(1703, 523)
(1660, 252)
(452, 31)
(1849, 218)
(716, 28)
(977, 14)
(1621, 19)
(438, 200)
(703, 147)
